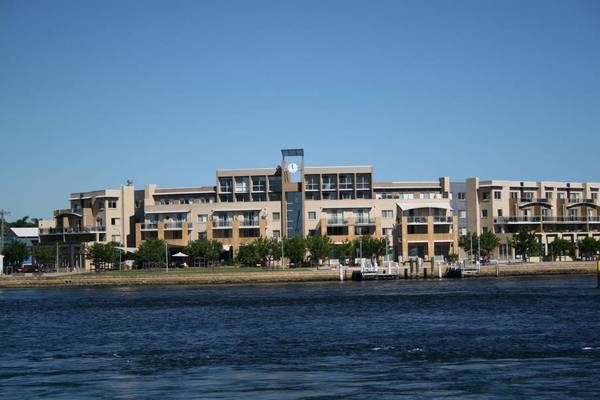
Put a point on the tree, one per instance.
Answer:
(151, 251)
(559, 248)
(526, 244)
(489, 242)
(588, 247)
(15, 253)
(319, 247)
(372, 247)
(295, 249)
(468, 243)
(247, 255)
(265, 249)
(346, 249)
(44, 254)
(102, 254)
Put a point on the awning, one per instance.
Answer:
(226, 247)
(167, 212)
(412, 205)
(128, 249)
(180, 254)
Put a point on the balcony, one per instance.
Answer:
(416, 220)
(74, 230)
(225, 189)
(67, 211)
(582, 201)
(534, 200)
(442, 219)
(222, 224)
(346, 186)
(173, 225)
(541, 219)
(363, 186)
(259, 188)
(364, 220)
(249, 223)
(329, 186)
(336, 221)
(149, 226)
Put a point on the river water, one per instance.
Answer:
(533, 337)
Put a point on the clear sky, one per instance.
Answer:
(96, 92)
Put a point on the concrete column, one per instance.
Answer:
(161, 230)
(404, 230)
(430, 237)
(235, 235)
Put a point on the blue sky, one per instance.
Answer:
(96, 92)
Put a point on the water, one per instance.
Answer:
(487, 338)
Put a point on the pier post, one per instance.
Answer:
(598, 273)
(405, 272)
(425, 273)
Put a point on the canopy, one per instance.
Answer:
(180, 254)
(128, 249)
(412, 204)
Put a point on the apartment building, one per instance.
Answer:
(293, 200)
(568, 210)
(96, 216)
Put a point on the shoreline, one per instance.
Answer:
(278, 276)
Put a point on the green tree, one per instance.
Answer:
(15, 253)
(319, 247)
(489, 242)
(151, 251)
(559, 248)
(44, 254)
(295, 249)
(468, 243)
(526, 244)
(247, 255)
(588, 247)
(346, 249)
(103, 254)
(372, 247)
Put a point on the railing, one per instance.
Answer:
(222, 224)
(249, 222)
(364, 220)
(241, 189)
(74, 230)
(538, 219)
(346, 186)
(329, 186)
(534, 200)
(416, 220)
(173, 225)
(336, 221)
(225, 189)
(150, 226)
(573, 200)
(442, 220)
(312, 186)
(363, 186)
(259, 188)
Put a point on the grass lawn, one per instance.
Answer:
(197, 270)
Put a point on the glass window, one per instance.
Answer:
(497, 195)
(276, 234)
(312, 182)
(116, 238)
(202, 218)
(499, 212)
(115, 221)
(329, 182)
(387, 214)
(461, 195)
(462, 214)
(514, 195)
(484, 213)
(485, 195)
(312, 215)
(276, 216)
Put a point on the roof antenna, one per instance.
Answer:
(129, 182)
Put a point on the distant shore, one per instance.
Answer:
(246, 276)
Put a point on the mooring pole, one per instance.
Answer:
(598, 273)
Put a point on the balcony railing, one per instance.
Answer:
(442, 220)
(416, 220)
(73, 230)
(346, 186)
(245, 223)
(173, 225)
(573, 200)
(225, 188)
(539, 219)
(259, 188)
(329, 186)
(366, 220)
(222, 224)
(534, 200)
(363, 186)
(312, 186)
(149, 226)
(336, 221)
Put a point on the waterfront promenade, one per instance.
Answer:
(235, 275)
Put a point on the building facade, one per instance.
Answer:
(290, 200)
(552, 210)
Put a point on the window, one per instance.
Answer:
(347, 195)
(462, 214)
(484, 213)
(312, 215)
(387, 231)
(112, 203)
(115, 221)
(202, 218)
(312, 182)
(594, 196)
(202, 235)
(514, 195)
(500, 212)
(346, 182)
(276, 216)
(387, 214)
(363, 181)
(549, 195)
(485, 195)
(561, 195)
(329, 182)
(527, 196)
(407, 196)
(116, 238)
(225, 185)
(241, 184)
(276, 234)
(497, 195)
(259, 184)
(425, 195)
(461, 195)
